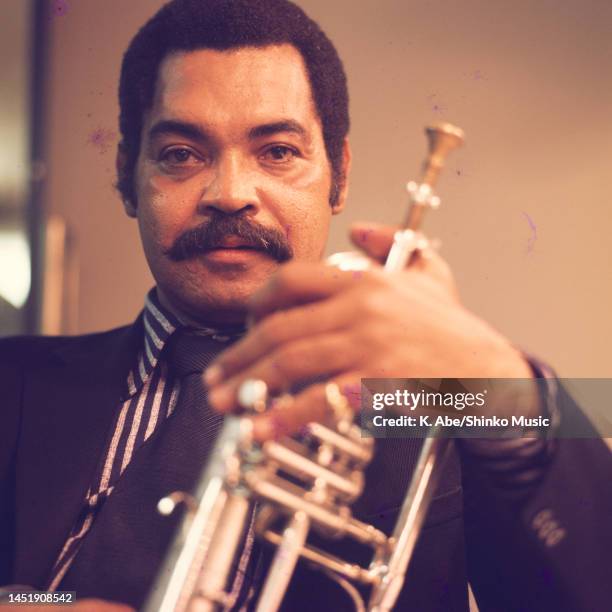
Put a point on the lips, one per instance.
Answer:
(235, 242)
(233, 251)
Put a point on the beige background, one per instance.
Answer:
(530, 83)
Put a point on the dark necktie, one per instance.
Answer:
(188, 355)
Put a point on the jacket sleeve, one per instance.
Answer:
(10, 414)
(551, 547)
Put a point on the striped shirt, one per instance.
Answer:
(151, 396)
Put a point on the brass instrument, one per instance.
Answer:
(304, 483)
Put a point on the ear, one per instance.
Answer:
(121, 165)
(338, 207)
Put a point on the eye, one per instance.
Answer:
(180, 156)
(280, 154)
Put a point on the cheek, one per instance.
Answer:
(309, 229)
(163, 212)
(306, 227)
(306, 213)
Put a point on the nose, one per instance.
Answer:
(232, 188)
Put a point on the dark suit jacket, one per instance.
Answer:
(59, 397)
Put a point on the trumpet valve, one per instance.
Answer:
(253, 395)
(167, 505)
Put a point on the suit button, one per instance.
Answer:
(547, 528)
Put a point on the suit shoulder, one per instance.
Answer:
(20, 351)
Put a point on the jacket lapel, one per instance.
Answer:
(68, 412)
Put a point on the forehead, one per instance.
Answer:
(238, 86)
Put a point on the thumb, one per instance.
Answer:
(374, 239)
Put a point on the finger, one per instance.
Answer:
(298, 283)
(374, 239)
(297, 362)
(277, 330)
(306, 407)
(430, 262)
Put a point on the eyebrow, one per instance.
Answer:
(182, 128)
(269, 129)
(195, 132)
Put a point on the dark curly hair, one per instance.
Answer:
(183, 25)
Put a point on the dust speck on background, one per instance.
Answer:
(534, 233)
(435, 103)
(101, 139)
(59, 8)
(476, 75)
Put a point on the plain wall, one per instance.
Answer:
(529, 81)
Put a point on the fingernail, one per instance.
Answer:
(262, 430)
(221, 398)
(269, 427)
(213, 375)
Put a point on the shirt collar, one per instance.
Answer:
(159, 325)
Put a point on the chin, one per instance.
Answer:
(211, 300)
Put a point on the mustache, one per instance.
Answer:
(210, 235)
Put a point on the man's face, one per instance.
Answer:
(232, 142)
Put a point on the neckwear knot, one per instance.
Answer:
(189, 352)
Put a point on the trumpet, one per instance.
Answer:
(302, 484)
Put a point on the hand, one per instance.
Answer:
(316, 322)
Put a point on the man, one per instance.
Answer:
(234, 157)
